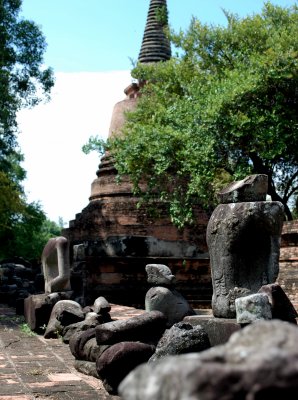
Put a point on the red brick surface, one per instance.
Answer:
(288, 264)
(32, 367)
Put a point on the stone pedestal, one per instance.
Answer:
(38, 308)
(218, 330)
(37, 311)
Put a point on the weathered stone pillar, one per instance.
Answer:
(243, 236)
(55, 264)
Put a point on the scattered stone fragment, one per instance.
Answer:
(101, 306)
(86, 367)
(251, 188)
(37, 311)
(38, 308)
(78, 341)
(147, 327)
(92, 350)
(282, 308)
(159, 274)
(179, 339)
(83, 346)
(252, 308)
(65, 312)
(118, 360)
(91, 321)
(259, 362)
(168, 301)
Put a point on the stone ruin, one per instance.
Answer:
(254, 356)
(104, 253)
(288, 262)
(163, 296)
(55, 265)
(110, 349)
(243, 237)
(23, 283)
(19, 279)
(257, 363)
(239, 351)
(111, 241)
(113, 238)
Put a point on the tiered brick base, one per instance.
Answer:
(288, 266)
(112, 240)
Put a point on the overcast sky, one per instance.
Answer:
(90, 47)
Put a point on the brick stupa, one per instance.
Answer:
(111, 240)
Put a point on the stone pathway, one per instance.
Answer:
(32, 367)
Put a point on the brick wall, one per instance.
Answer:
(288, 265)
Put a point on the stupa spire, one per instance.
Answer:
(155, 46)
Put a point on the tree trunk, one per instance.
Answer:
(260, 168)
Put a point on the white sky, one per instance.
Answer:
(52, 136)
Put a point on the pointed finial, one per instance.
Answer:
(155, 46)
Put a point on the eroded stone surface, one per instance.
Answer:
(55, 264)
(86, 368)
(91, 320)
(282, 308)
(86, 350)
(218, 330)
(181, 338)
(64, 312)
(38, 308)
(253, 308)
(159, 274)
(251, 188)
(37, 311)
(243, 240)
(118, 360)
(101, 305)
(258, 362)
(78, 341)
(168, 301)
(147, 327)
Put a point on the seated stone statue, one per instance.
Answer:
(55, 265)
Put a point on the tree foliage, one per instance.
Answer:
(29, 232)
(224, 107)
(23, 83)
(22, 78)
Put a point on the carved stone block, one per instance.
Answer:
(243, 241)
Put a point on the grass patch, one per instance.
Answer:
(24, 328)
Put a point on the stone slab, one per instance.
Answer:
(219, 330)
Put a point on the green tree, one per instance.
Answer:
(31, 231)
(224, 107)
(23, 83)
(22, 77)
